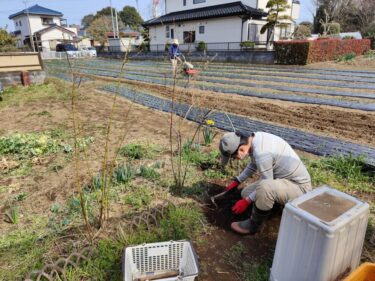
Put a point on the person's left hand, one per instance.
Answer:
(241, 206)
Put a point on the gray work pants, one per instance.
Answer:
(269, 192)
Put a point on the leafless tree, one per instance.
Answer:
(325, 23)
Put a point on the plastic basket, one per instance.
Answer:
(366, 272)
(156, 259)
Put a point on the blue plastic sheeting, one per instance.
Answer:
(319, 145)
(285, 97)
(216, 67)
(348, 84)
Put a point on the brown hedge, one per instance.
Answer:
(305, 51)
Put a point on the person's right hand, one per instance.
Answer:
(232, 185)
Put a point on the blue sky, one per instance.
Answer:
(74, 10)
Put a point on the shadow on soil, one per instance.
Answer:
(214, 255)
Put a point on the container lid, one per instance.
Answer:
(327, 206)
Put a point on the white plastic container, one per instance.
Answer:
(321, 236)
(156, 259)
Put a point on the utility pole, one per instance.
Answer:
(113, 21)
(117, 31)
(31, 36)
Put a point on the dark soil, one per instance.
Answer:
(212, 256)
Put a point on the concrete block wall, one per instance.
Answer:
(14, 78)
(253, 57)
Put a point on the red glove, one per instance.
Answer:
(241, 206)
(232, 185)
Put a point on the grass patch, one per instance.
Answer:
(247, 269)
(149, 173)
(344, 173)
(139, 151)
(205, 160)
(23, 250)
(138, 197)
(183, 222)
(18, 95)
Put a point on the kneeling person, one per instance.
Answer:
(283, 176)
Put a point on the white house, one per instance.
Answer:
(46, 26)
(222, 24)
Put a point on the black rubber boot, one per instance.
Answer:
(257, 219)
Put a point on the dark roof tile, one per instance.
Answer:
(37, 10)
(223, 10)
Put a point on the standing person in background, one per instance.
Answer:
(174, 55)
(283, 176)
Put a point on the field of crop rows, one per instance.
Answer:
(352, 90)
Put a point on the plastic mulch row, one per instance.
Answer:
(319, 145)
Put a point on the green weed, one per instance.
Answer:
(73, 206)
(20, 197)
(28, 145)
(208, 133)
(247, 269)
(149, 173)
(196, 189)
(158, 165)
(216, 174)
(345, 173)
(13, 214)
(82, 143)
(23, 249)
(67, 148)
(18, 95)
(55, 208)
(105, 265)
(25, 168)
(139, 197)
(183, 222)
(123, 173)
(97, 182)
(370, 54)
(44, 113)
(346, 57)
(205, 160)
(139, 151)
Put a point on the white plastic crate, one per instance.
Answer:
(158, 258)
(321, 236)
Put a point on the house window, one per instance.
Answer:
(47, 21)
(184, 2)
(172, 33)
(167, 31)
(189, 36)
(20, 23)
(16, 23)
(198, 1)
(201, 29)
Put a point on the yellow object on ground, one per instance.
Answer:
(366, 272)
